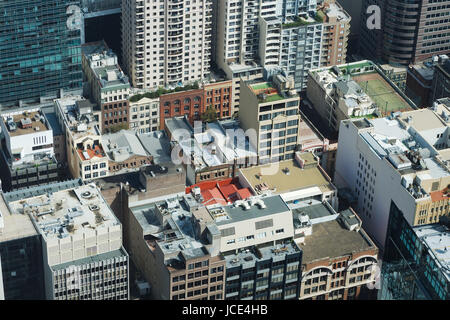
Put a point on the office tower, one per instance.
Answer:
(271, 110)
(27, 154)
(109, 86)
(411, 31)
(82, 250)
(20, 255)
(415, 264)
(403, 158)
(41, 55)
(166, 43)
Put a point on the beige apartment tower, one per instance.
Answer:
(166, 43)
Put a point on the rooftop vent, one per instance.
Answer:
(87, 194)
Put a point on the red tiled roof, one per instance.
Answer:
(213, 196)
(244, 193)
(91, 152)
(228, 191)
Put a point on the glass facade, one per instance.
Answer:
(267, 279)
(409, 270)
(40, 49)
(22, 269)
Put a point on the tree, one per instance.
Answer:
(209, 115)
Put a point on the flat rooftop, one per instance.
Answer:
(67, 212)
(156, 144)
(248, 257)
(330, 239)
(423, 119)
(122, 145)
(26, 123)
(235, 213)
(16, 226)
(280, 182)
(78, 115)
(176, 236)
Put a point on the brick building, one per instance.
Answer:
(190, 103)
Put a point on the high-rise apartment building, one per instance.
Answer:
(403, 158)
(411, 31)
(166, 43)
(316, 37)
(40, 50)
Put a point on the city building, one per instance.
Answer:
(402, 158)
(124, 151)
(299, 179)
(257, 242)
(416, 262)
(397, 74)
(405, 32)
(336, 30)
(109, 86)
(144, 115)
(354, 90)
(418, 83)
(166, 43)
(85, 155)
(35, 68)
(236, 27)
(312, 39)
(238, 74)
(28, 156)
(82, 250)
(218, 95)
(59, 137)
(222, 192)
(272, 114)
(175, 250)
(212, 154)
(440, 88)
(177, 104)
(338, 257)
(21, 267)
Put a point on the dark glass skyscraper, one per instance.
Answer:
(415, 263)
(40, 49)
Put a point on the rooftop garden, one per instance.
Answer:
(301, 21)
(161, 91)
